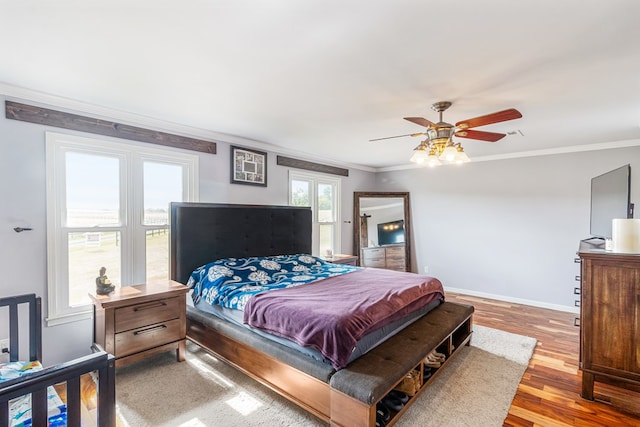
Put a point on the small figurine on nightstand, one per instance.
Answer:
(103, 284)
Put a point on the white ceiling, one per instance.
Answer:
(324, 77)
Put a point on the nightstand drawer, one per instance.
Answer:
(137, 321)
(147, 337)
(138, 315)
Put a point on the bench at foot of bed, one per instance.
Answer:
(356, 390)
(347, 397)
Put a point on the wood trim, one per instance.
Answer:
(60, 119)
(311, 166)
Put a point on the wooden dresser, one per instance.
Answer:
(390, 257)
(134, 322)
(609, 319)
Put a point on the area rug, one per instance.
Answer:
(475, 389)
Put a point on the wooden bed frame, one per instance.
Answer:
(202, 232)
(69, 373)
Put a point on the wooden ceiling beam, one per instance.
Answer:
(60, 119)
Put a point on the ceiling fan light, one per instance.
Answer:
(432, 159)
(461, 157)
(419, 155)
(449, 154)
(417, 158)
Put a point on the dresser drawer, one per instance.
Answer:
(147, 337)
(138, 315)
(373, 254)
(397, 265)
(375, 263)
(395, 252)
(373, 257)
(396, 258)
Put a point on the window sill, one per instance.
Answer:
(71, 317)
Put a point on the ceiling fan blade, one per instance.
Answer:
(500, 116)
(479, 134)
(420, 121)
(398, 136)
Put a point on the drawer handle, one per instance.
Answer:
(149, 330)
(149, 306)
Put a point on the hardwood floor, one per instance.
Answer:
(88, 399)
(549, 393)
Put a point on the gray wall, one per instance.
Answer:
(23, 261)
(507, 228)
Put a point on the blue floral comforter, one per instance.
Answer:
(231, 282)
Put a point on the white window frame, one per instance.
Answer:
(132, 156)
(315, 179)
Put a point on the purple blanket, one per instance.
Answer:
(331, 315)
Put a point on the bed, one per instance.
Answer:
(33, 395)
(346, 392)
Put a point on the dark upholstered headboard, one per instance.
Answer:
(203, 232)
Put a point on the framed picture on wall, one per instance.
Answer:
(248, 166)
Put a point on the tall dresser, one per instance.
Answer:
(609, 319)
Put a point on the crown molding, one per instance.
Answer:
(21, 94)
(533, 153)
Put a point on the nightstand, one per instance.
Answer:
(341, 259)
(134, 322)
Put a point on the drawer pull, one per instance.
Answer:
(149, 330)
(149, 306)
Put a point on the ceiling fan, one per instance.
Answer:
(463, 128)
(439, 144)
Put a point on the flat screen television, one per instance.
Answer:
(610, 199)
(390, 233)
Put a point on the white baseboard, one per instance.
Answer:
(532, 303)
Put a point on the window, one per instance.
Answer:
(107, 206)
(322, 194)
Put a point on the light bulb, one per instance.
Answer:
(461, 156)
(419, 156)
(449, 153)
(432, 160)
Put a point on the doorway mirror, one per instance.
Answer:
(382, 230)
